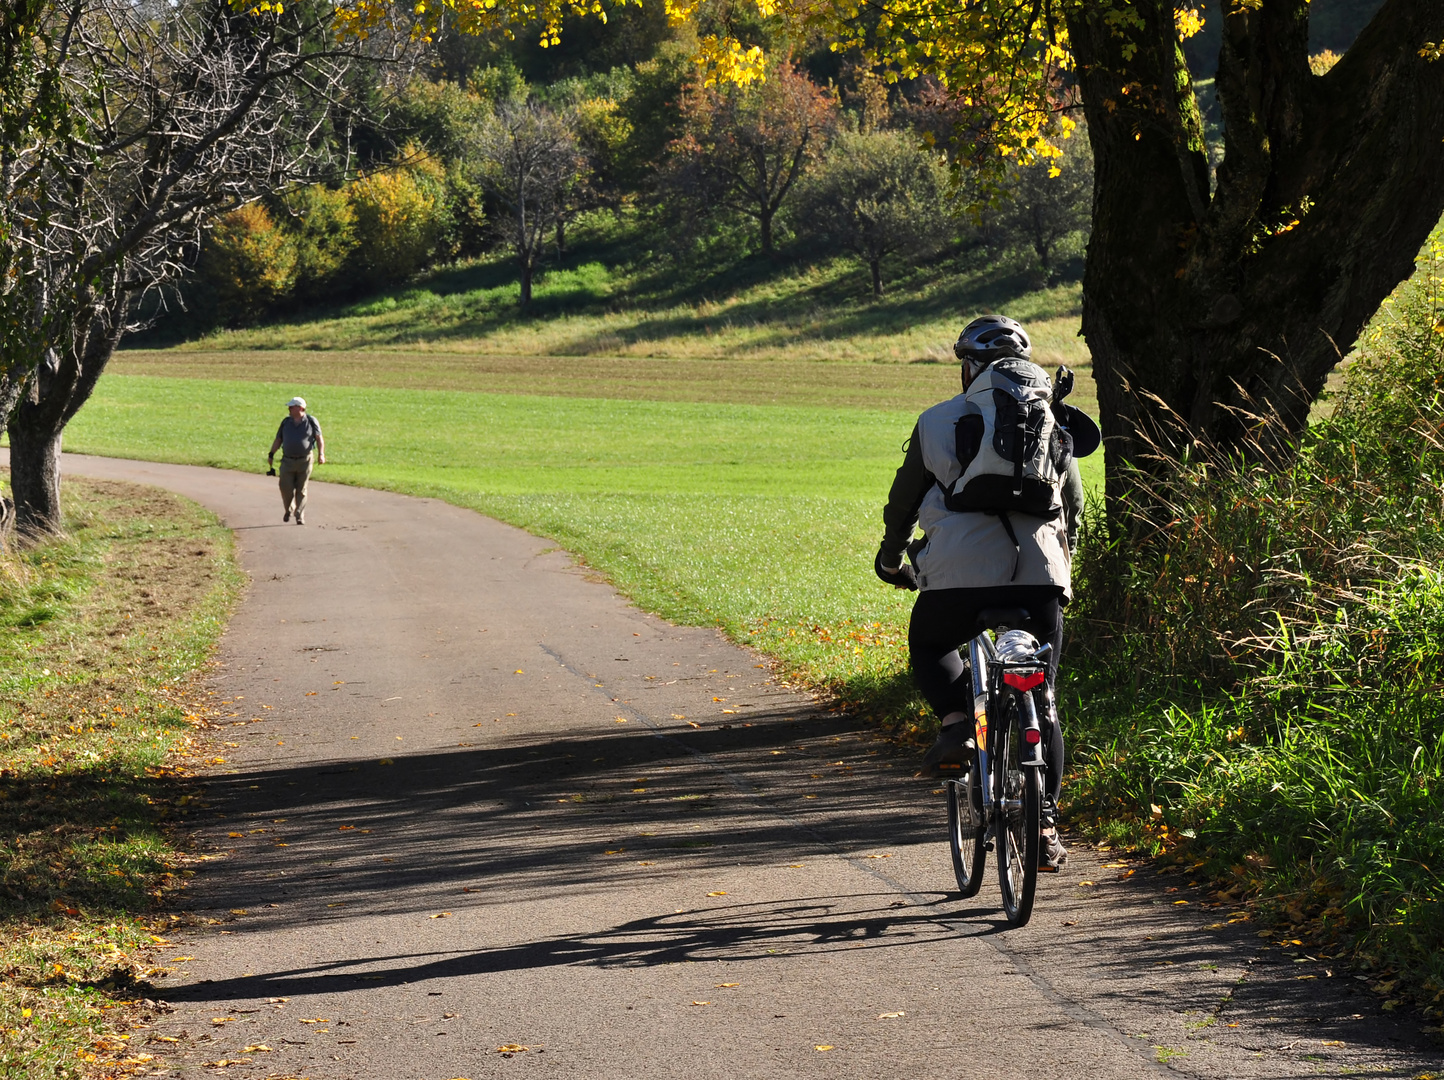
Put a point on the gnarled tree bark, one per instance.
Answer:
(1205, 305)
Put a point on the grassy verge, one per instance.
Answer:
(102, 633)
(1264, 651)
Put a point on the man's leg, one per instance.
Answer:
(303, 474)
(941, 621)
(288, 487)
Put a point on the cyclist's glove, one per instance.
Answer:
(904, 577)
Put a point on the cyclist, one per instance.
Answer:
(967, 562)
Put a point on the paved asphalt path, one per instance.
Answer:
(472, 800)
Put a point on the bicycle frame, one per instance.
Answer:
(999, 802)
(988, 693)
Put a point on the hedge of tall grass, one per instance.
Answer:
(1261, 691)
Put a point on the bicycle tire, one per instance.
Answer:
(1019, 832)
(966, 832)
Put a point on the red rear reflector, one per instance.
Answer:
(1019, 681)
(1032, 736)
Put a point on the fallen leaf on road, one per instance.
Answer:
(718, 893)
(891, 1016)
(179, 959)
(701, 1003)
(678, 716)
(225, 1062)
(439, 915)
(1069, 922)
(259, 1048)
(519, 671)
(646, 864)
(223, 1019)
(386, 761)
(824, 1046)
(615, 851)
(693, 723)
(1176, 902)
(511, 1048)
(164, 1038)
(1114, 865)
(884, 856)
(794, 866)
(343, 828)
(310, 693)
(1087, 883)
(234, 834)
(318, 1020)
(621, 719)
(727, 985)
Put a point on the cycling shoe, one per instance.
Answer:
(951, 754)
(1051, 852)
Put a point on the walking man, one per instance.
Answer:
(295, 437)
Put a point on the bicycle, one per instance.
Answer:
(999, 800)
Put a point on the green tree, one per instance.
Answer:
(529, 161)
(743, 148)
(1045, 203)
(877, 194)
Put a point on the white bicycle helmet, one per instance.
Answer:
(990, 337)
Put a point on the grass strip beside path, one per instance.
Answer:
(104, 631)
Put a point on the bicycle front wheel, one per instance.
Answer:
(1019, 832)
(965, 830)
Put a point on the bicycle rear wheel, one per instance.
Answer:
(965, 830)
(1019, 832)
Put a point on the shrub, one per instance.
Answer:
(401, 217)
(248, 263)
(323, 225)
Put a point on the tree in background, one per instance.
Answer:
(877, 194)
(743, 148)
(528, 160)
(249, 264)
(401, 217)
(1044, 203)
(129, 128)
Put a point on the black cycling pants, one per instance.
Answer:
(945, 619)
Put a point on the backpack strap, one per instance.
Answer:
(1002, 515)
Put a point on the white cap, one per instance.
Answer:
(296, 401)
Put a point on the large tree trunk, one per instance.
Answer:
(1204, 308)
(35, 478)
(52, 396)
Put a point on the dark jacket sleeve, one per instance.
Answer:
(900, 515)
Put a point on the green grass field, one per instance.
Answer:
(762, 519)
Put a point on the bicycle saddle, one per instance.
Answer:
(997, 618)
